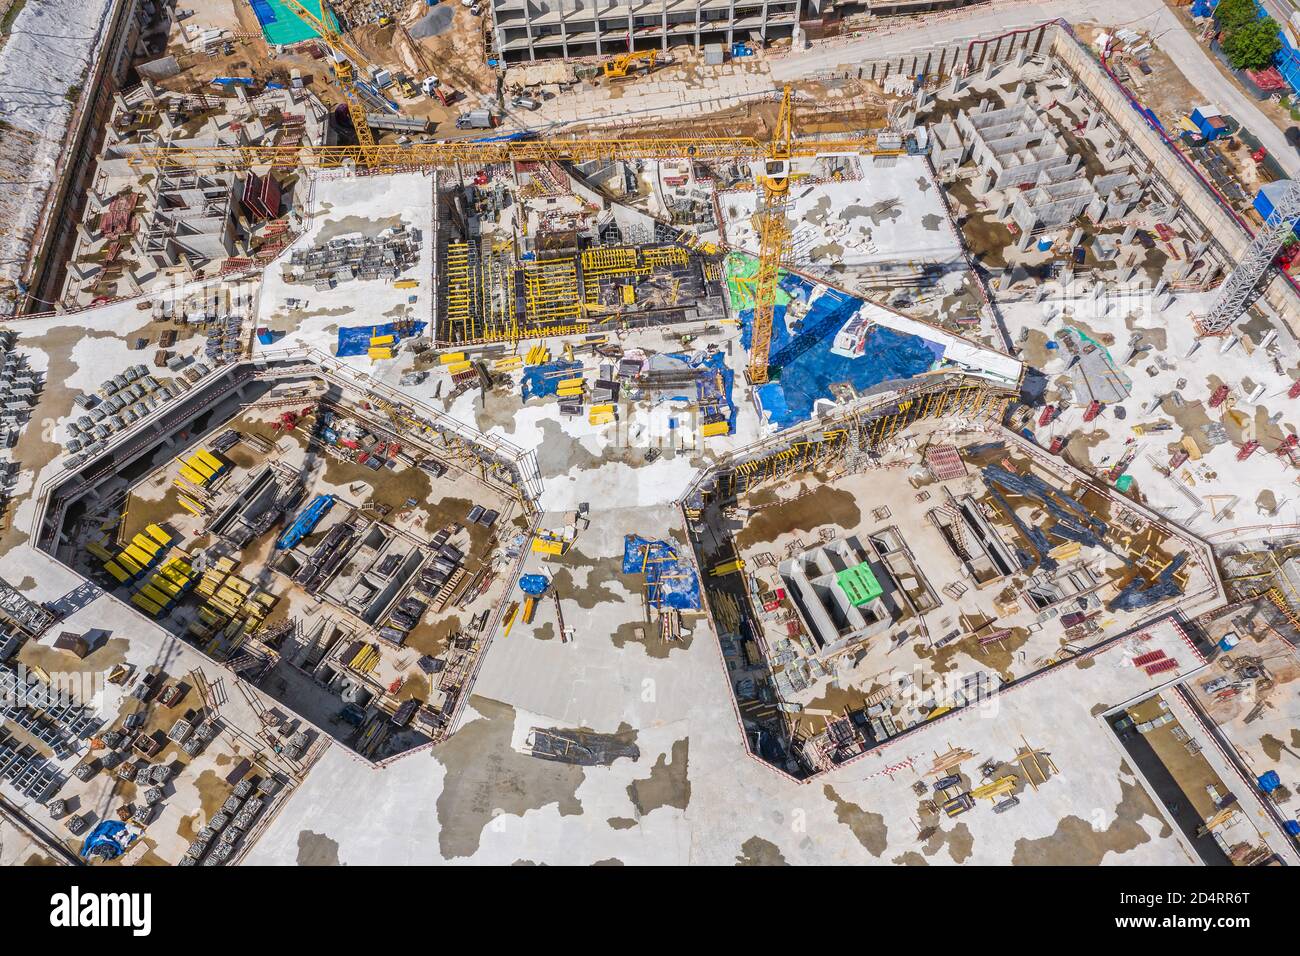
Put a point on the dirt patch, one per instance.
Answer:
(868, 828)
(433, 637)
(825, 505)
(759, 852)
(487, 777)
(958, 840)
(1077, 843)
(647, 636)
(910, 858)
(316, 849)
(668, 784)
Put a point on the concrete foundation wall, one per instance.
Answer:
(1150, 151)
(958, 56)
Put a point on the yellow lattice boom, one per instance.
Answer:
(340, 48)
(558, 300)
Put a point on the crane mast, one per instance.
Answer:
(1237, 289)
(773, 184)
(345, 59)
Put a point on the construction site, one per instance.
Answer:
(943, 564)
(315, 551)
(406, 472)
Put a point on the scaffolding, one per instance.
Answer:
(856, 439)
(31, 618)
(551, 291)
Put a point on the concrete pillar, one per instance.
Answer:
(1116, 151)
(1129, 274)
(1129, 233)
(955, 85)
(1212, 273)
(1166, 302)
(1026, 238)
(1199, 249)
(1268, 338)
(1229, 343)
(1021, 57)
(241, 92)
(150, 91)
(1076, 237)
(987, 72)
(1004, 210)
(84, 233)
(1093, 119)
(1161, 284)
(1066, 94)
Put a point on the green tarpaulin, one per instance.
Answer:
(859, 584)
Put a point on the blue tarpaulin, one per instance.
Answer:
(803, 366)
(708, 394)
(355, 339)
(669, 581)
(107, 841)
(539, 381)
(534, 584)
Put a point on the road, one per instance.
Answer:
(1154, 16)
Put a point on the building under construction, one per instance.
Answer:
(530, 249)
(925, 511)
(528, 31)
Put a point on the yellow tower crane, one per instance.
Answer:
(346, 60)
(773, 183)
(769, 160)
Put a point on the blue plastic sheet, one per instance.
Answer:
(670, 582)
(802, 366)
(534, 584)
(355, 340)
(539, 382)
(707, 391)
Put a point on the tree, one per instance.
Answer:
(1232, 15)
(1253, 46)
